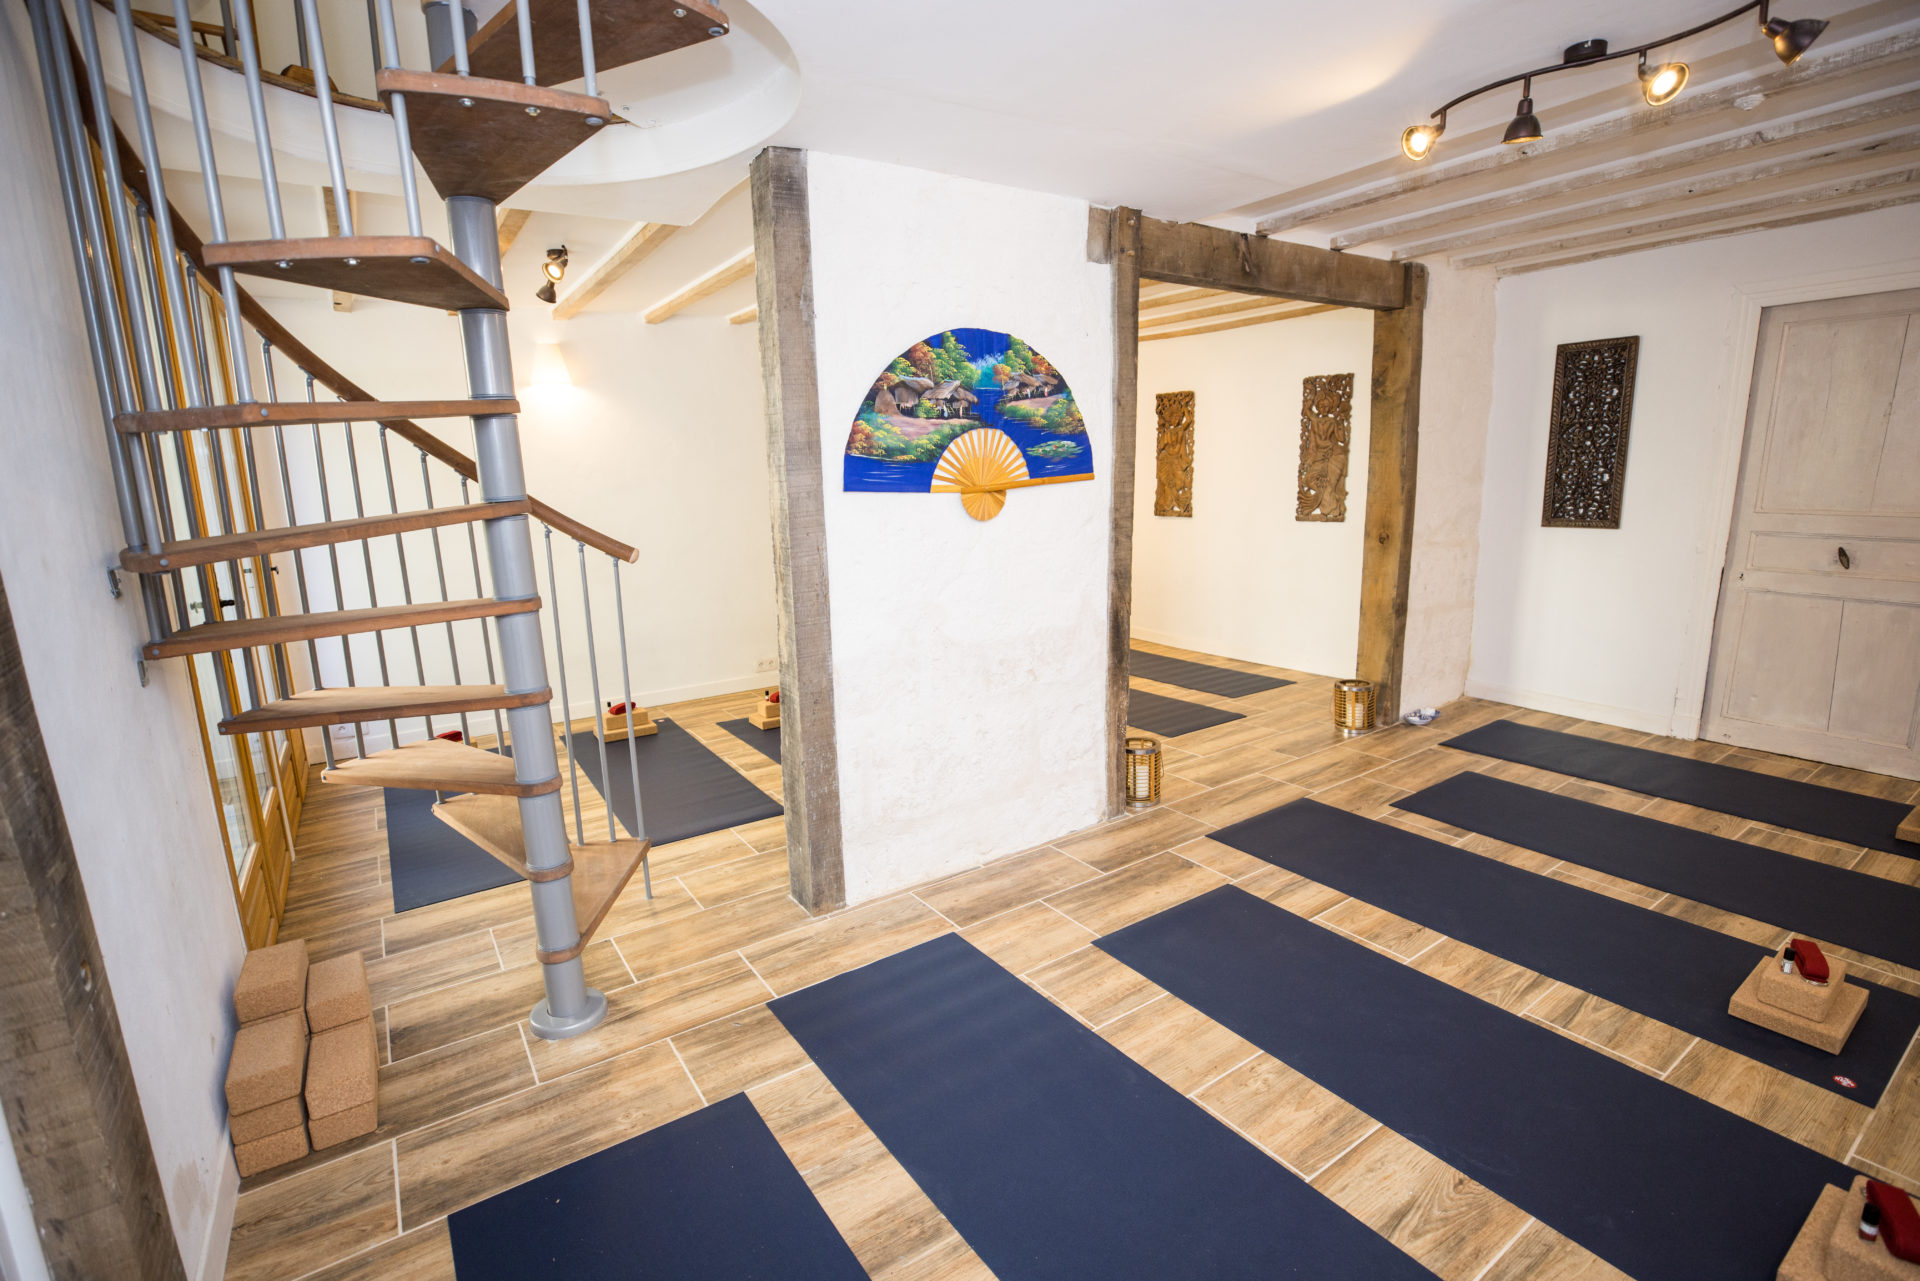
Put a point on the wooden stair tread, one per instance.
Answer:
(244, 633)
(271, 413)
(477, 137)
(624, 31)
(261, 542)
(601, 869)
(437, 766)
(413, 269)
(354, 703)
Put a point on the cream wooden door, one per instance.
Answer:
(1816, 648)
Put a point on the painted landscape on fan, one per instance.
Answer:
(969, 411)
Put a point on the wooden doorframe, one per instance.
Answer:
(1189, 253)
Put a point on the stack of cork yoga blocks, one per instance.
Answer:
(1819, 1014)
(767, 715)
(305, 1071)
(1830, 1247)
(615, 723)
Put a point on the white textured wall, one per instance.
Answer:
(1456, 394)
(127, 760)
(969, 658)
(1241, 577)
(1616, 624)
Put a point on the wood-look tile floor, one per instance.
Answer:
(471, 1103)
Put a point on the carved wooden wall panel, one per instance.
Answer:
(1587, 436)
(1173, 490)
(1326, 434)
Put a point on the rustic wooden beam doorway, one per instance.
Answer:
(1141, 248)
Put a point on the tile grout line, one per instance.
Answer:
(689, 1071)
(1211, 1081)
(1501, 1253)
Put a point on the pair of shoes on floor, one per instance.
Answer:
(1422, 716)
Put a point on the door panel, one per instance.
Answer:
(1816, 649)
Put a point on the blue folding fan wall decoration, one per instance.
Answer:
(973, 412)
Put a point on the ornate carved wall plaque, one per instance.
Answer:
(1173, 489)
(1326, 432)
(1587, 436)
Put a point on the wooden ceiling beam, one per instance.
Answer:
(738, 267)
(1784, 178)
(1191, 253)
(639, 240)
(1175, 296)
(1805, 138)
(1189, 314)
(745, 316)
(511, 223)
(1824, 201)
(1882, 66)
(1237, 322)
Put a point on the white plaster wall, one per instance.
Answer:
(1241, 577)
(969, 658)
(1456, 395)
(127, 760)
(1616, 624)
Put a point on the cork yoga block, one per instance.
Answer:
(272, 981)
(275, 1149)
(329, 1131)
(249, 1127)
(268, 1064)
(343, 1070)
(1829, 1034)
(337, 992)
(1851, 1259)
(1807, 1260)
(1796, 995)
(766, 716)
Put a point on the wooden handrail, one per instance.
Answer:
(133, 170)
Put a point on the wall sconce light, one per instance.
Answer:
(554, 268)
(1659, 84)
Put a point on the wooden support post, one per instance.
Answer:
(1393, 451)
(1113, 236)
(72, 1108)
(783, 254)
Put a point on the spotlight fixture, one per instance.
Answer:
(554, 268)
(1660, 83)
(1526, 125)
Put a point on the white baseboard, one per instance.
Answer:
(1605, 713)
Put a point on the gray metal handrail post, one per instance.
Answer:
(570, 1006)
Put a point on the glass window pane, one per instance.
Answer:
(230, 776)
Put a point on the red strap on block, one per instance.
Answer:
(773, 696)
(620, 709)
(1899, 1221)
(453, 736)
(1811, 960)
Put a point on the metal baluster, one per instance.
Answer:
(269, 593)
(486, 637)
(406, 579)
(525, 18)
(585, 9)
(329, 127)
(566, 704)
(593, 671)
(633, 756)
(373, 41)
(293, 518)
(257, 108)
(300, 36)
(458, 9)
(227, 43)
(396, 106)
(440, 569)
(333, 559)
(366, 556)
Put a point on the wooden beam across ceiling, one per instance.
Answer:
(745, 316)
(1176, 296)
(736, 268)
(511, 223)
(638, 241)
(1219, 303)
(1274, 313)
(1195, 254)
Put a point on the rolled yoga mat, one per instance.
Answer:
(1662, 1185)
(1172, 716)
(1830, 812)
(1204, 677)
(685, 789)
(1661, 966)
(709, 1197)
(764, 741)
(1830, 904)
(1055, 1156)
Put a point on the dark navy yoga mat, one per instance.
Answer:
(1662, 1185)
(1055, 1156)
(429, 862)
(1204, 677)
(764, 741)
(1832, 904)
(1832, 812)
(1172, 716)
(1660, 966)
(685, 788)
(709, 1197)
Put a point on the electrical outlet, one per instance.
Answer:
(767, 665)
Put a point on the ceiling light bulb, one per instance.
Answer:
(1662, 84)
(1417, 142)
(556, 264)
(1791, 39)
(1526, 125)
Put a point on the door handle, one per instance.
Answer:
(1846, 561)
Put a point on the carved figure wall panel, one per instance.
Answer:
(1326, 435)
(1173, 487)
(1587, 434)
